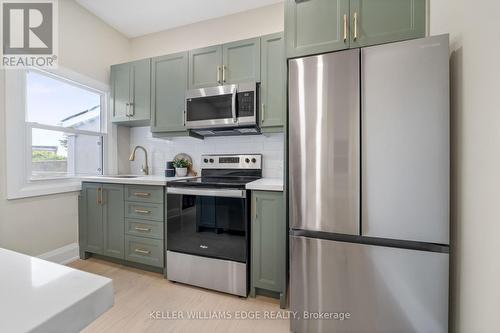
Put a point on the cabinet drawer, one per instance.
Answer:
(144, 211)
(139, 193)
(144, 250)
(143, 228)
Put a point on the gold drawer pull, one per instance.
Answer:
(142, 211)
(142, 229)
(141, 251)
(142, 194)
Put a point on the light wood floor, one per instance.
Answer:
(138, 293)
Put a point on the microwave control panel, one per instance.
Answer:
(246, 104)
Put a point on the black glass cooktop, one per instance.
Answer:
(227, 182)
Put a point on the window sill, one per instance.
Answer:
(39, 188)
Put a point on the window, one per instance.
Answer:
(63, 122)
(56, 131)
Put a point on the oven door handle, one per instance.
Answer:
(233, 105)
(227, 193)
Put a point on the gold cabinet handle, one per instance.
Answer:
(355, 26)
(218, 74)
(132, 109)
(98, 197)
(142, 211)
(141, 251)
(142, 229)
(142, 194)
(345, 28)
(223, 74)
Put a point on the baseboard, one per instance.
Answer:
(62, 255)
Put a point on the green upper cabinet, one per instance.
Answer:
(272, 86)
(383, 21)
(316, 26)
(205, 67)
(169, 81)
(241, 61)
(319, 26)
(225, 64)
(130, 93)
(113, 220)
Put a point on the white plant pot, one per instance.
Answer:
(181, 172)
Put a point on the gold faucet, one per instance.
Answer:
(144, 168)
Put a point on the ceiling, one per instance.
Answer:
(135, 18)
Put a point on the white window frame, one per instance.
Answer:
(18, 134)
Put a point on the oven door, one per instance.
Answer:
(207, 222)
(211, 107)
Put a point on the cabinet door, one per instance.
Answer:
(91, 218)
(140, 110)
(113, 220)
(268, 240)
(205, 67)
(315, 26)
(384, 21)
(120, 92)
(241, 61)
(169, 83)
(272, 86)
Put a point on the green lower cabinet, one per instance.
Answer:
(268, 244)
(273, 83)
(112, 225)
(113, 220)
(383, 21)
(90, 219)
(169, 82)
(143, 250)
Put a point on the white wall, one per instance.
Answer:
(475, 101)
(252, 23)
(271, 146)
(41, 224)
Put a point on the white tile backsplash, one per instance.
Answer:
(271, 146)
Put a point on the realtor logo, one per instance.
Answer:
(28, 33)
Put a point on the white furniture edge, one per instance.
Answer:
(141, 180)
(266, 184)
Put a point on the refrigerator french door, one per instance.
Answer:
(369, 189)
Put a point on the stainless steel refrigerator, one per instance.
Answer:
(369, 189)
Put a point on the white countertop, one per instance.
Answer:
(41, 296)
(140, 180)
(266, 184)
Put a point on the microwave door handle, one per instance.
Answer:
(233, 105)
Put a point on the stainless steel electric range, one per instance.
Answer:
(208, 224)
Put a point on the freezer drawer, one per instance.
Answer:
(324, 142)
(384, 289)
(405, 140)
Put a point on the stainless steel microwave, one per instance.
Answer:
(222, 107)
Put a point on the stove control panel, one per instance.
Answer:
(231, 161)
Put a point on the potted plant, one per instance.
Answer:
(181, 167)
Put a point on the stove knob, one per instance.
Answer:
(247, 160)
(254, 160)
(211, 160)
(205, 160)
